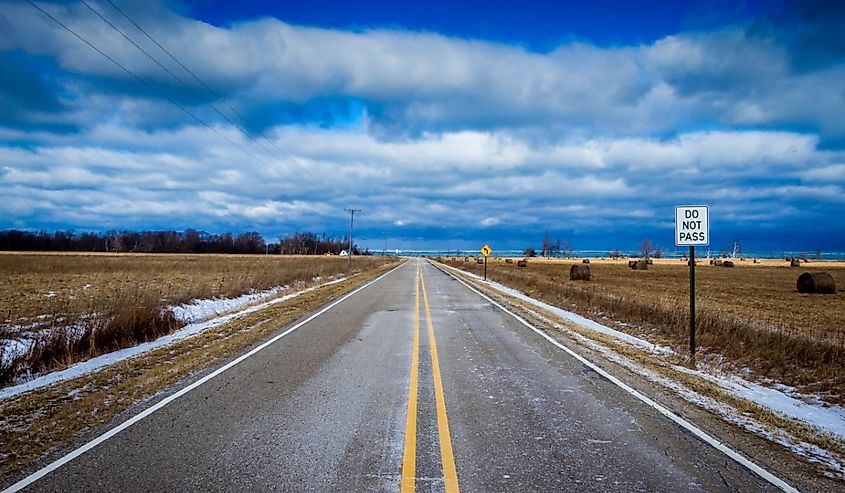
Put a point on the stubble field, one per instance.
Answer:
(750, 317)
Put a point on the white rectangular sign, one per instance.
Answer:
(692, 225)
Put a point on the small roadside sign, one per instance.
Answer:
(692, 229)
(692, 225)
(486, 251)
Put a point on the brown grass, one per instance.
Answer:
(76, 306)
(751, 315)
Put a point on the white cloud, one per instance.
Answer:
(431, 82)
(427, 182)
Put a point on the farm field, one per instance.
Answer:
(56, 309)
(750, 317)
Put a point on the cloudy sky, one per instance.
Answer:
(448, 125)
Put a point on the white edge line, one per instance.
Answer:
(23, 483)
(736, 456)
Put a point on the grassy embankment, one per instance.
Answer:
(750, 317)
(71, 307)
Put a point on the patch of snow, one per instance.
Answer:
(828, 418)
(50, 294)
(27, 335)
(87, 286)
(198, 310)
(94, 364)
(13, 348)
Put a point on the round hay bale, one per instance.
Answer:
(522, 263)
(479, 261)
(794, 262)
(649, 261)
(639, 265)
(816, 283)
(585, 261)
(711, 261)
(727, 263)
(632, 264)
(508, 260)
(717, 262)
(579, 272)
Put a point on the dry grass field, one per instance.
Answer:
(750, 317)
(75, 306)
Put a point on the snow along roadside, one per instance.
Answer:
(102, 361)
(830, 419)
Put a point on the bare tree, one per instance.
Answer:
(646, 248)
(117, 244)
(547, 244)
(564, 248)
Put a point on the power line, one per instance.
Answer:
(177, 78)
(172, 57)
(351, 222)
(217, 97)
(142, 81)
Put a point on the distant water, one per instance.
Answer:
(631, 253)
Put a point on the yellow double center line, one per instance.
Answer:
(447, 458)
(409, 462)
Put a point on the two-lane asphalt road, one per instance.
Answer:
(413, 382)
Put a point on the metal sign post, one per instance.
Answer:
(485, 250)
(692, 228)
(692, 300)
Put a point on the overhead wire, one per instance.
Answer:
(202, 99)
(142, 81)
(216, 96)
(174, 76)
(201, 82)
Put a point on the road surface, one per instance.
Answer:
(414, 382)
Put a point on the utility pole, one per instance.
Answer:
(351, 222)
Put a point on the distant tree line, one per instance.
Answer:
(304, 243)
(189, 241)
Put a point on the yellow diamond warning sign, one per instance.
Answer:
(486, 250)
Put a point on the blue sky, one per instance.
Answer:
(450, 124)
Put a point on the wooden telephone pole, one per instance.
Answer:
(351, 223)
